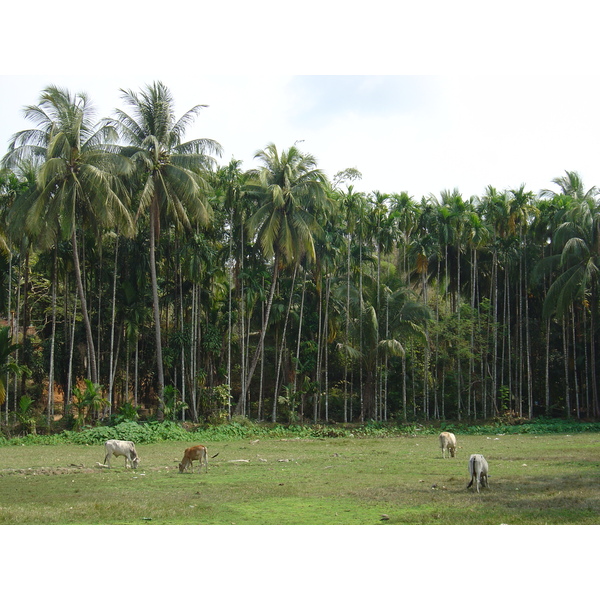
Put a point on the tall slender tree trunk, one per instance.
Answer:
(347, 330)
(319, 367)
(458, 357)
(300, 323)
(9, 314)
(566, 366)
(52, 338)
(575, 369)
(326, 348)
(528, 351)
(229, 313)
(156, 311)
(282, 349)
(182, 325)
(84, 311)
(471, 409)
(495, 339)
(69, 393)
(593, 320)
(111, 380)
(263, 332)
(548, 321)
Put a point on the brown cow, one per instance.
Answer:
(199, 453)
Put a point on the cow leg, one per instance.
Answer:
(107, 460)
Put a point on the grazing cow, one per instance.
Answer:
(448, 443)
(121, 448)
(478, 469)
(199, 453)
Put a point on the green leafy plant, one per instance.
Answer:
(125, 412)
(7, 363)
(172, 404)
(25, 414)
(89, 402)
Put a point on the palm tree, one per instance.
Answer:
(7, 364)
(78, 182)
(577, 240)
(291, 191)
(520, 212)
(172, 174)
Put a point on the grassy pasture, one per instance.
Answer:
(546, 479)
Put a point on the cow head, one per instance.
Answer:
(181, 468)
(135, 462)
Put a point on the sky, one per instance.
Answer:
(415, 133)
(422, 100)
(418, 96)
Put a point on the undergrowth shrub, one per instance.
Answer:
(241, 428)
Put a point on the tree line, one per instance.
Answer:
(142, 277)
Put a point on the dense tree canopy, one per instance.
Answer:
(135, 264)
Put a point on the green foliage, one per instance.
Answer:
(213, 402)
(125, 412)
(25, 415)
(7, 363)
(173, 406)
(239, 428)
(89, 402)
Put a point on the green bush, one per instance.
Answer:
(242, 428)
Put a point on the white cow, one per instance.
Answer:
(121, 448)
(448, 443)
(199, 453)
(478, 469)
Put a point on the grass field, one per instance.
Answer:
(547, 479)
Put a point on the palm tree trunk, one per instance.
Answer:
(282, 349)
(575, 370)
(319, 366)
(51, 370)
(566, 365)
(71, 350)
(84, 311)
(112, 330)
(300, 320)
(229, 314)
(326, 347)
(495, 339)
(347, 330)
(9, 315)
(548, 367)
(156, 311)
(242, 400)
(593, 320)
(182, 325)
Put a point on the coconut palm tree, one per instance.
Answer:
(577, 241)
(78, 181)
(292, 191)
(172, 174)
